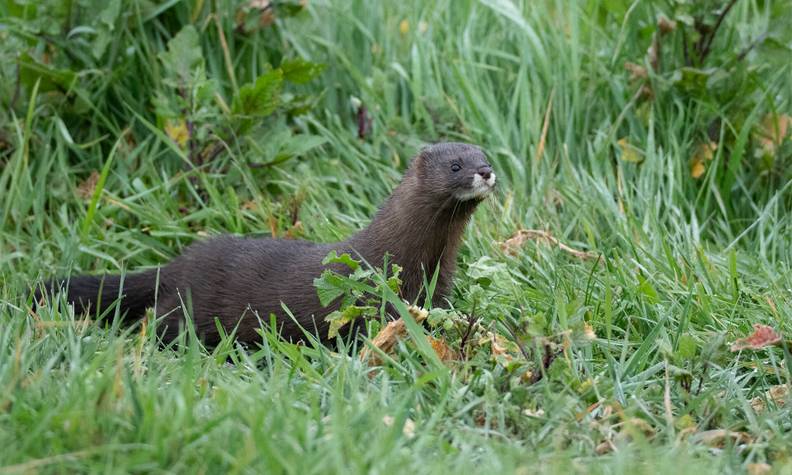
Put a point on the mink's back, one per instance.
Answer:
(235, 278)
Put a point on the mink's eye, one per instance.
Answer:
(455, 167)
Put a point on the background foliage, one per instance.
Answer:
(652, 135)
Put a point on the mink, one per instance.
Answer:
(239, 280)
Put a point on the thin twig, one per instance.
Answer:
(471, 320)
(547, 360)
(512, 244)
(751, 46)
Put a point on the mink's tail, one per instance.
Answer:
(92, 294)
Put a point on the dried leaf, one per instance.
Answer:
(653, 53)
(541, 146)
(408, 429)
(778, 394)
(605, 447)
(385, 340)
(443, 351)
(636, 71)
(665, 25)
(85, 190)
(536, 413)
(703, 153)
(588, 332)
(758, 468)
(516, 242)
(762, 337)
(719, 437)
(772, 132)
(697, 169)
(177, 131)
(628, 152)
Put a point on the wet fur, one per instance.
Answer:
(234, 278)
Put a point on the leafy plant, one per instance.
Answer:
(703, 62)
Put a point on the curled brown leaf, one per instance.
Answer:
(763, 336)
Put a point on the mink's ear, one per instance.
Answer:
(418, 162)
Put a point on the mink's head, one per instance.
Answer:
(454, 171)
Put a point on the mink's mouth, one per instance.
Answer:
(478, 188)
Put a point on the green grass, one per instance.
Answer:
(687, 265)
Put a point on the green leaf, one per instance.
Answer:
(184, 54)
(345, 258)
(295, 147)
(261, 98)
(300, 71)
(329, 286)
(339, 319)
(485, 270)
(687, 347)
(646, 288)
(106, 25)
(51, 79)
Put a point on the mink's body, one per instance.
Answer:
(234, 278)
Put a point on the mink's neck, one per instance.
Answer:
(419, 233)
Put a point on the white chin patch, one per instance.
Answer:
(479, 189)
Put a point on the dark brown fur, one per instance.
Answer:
(233, 278)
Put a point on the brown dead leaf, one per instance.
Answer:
(588, 332)
(772, 132)
(498, 345)
(719, 437)
(653, 53)
(778, 394)
(541, 146)
(605, 447)
(703, 153)
(514, 243)
(697, 169)
(295, 230)
(762, 337)
(263, 8)
(665, 25)
(387, 338)
(86, 189)
(637, 72)
(758, 468)
(444, 352)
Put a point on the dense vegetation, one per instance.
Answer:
(643, 148)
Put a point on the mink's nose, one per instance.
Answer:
(485, 172)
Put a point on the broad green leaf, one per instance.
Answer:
(106, 25)
(261, 98)
(686, 347)
(345, 258)
(300, 71)
(184, 53)
(486, 270)
(329, 286)
(339, 319)
(647, 290)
